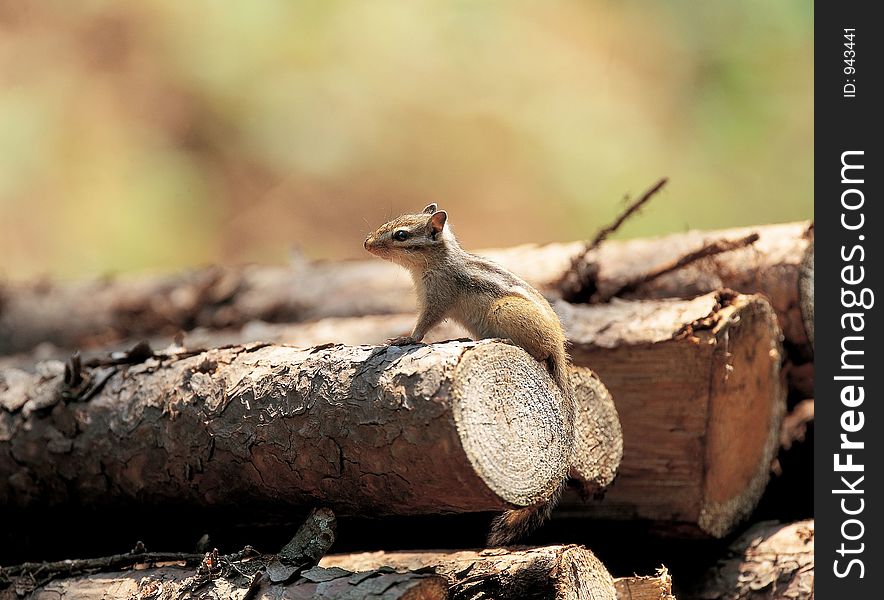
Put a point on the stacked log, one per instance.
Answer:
(459, 426)
(701, 415)
(168, 582)
(554, 572)
(697, 384)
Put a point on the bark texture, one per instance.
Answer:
(455, 427)
(599, 444)
(547, 573)
(779, 265)
(700, 396)
(165, 583)
(771, 561)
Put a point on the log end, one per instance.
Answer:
(582, 575)
(598, 439)
(746, 408)
(509, 417)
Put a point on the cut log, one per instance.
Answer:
(779, 265)
(599, 444)
(164, 583)
(771, 561)
(456, 427)
(598, 437)
(651, 587)
(696, 385)
(692, 382)
(698, 389)
(554, 572)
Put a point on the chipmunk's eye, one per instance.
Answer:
(400, 235)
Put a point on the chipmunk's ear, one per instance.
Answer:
(430, 209)
(437, 221)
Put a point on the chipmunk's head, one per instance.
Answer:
(408, 239)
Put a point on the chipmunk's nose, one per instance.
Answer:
(365, 243)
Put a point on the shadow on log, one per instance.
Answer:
(453, 427)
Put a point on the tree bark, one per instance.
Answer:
(778, 265)
(550, 572)
(164, 583)
(698, 389)
(771, 561)
(456, 427)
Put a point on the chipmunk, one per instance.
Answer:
(490, 302)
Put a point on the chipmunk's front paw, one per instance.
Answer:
(401, 341)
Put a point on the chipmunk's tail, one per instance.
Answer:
(515, 524)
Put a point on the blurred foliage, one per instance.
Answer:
(163, 134)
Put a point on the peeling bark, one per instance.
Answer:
(165, 583)
(549, 573)
(452, 427)
(771, 561)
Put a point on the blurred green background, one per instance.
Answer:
(165, 134)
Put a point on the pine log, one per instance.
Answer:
(456, 427)
(550, 572)
(696, 385)
(598, 446)
(699, 392)
(164, 583)
(771, 561)
(692, 381)
(650, 587)
(779, 265)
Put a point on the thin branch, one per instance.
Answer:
(710, 249)
(602, 235)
